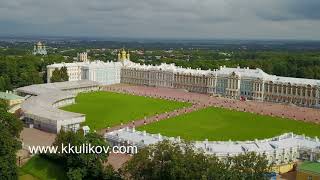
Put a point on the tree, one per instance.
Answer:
(2, 84)
(3, 105)
(9, 146)
(168, 160)
(10, 128)
(64, 74)
(83, 165)
(56, 76)
(308, 72)
(110, 174)
(59, 75)
(249, 166)
(75, 174)
(218, 169)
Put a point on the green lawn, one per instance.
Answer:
(38, 168)
(223, 124)
(310, 166)
(27, 177)
(105, 109)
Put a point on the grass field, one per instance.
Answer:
(222, 124)
(38, 168)
(105, 109)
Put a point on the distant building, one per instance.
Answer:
(83, 57)
(158, 57)
(308, 171)
(40, 49)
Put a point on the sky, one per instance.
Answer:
(203, 19)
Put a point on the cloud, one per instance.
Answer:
(284, 10)
(295, 19)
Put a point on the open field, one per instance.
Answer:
(223, 124)
(264, 108)
(38, 168)
(105, 109)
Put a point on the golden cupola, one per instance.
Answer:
(123, 55)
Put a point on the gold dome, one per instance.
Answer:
(123, 54)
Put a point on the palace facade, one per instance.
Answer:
(235, 83)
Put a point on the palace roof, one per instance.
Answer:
(259, 74)
(220, 148)
(9, 96)
(44, 96)
(93, 64)
(170, 68)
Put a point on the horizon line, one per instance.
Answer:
(112, 38)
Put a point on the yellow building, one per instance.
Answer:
(13, 101)
(283, 168)
(308, 171)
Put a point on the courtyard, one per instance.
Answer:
(219, 124)
(108, 109)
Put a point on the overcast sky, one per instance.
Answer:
(242, 19)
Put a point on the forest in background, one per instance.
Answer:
(18, 67)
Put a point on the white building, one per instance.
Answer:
(103, 72)
(73, 70)
(236, 83)
(83, 57)
(233, 83)
(258, 85)
(40, 109)
(39, 48)
(279, 150)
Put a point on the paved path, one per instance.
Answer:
(34, 137)
(156, 118)
(117, 160)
